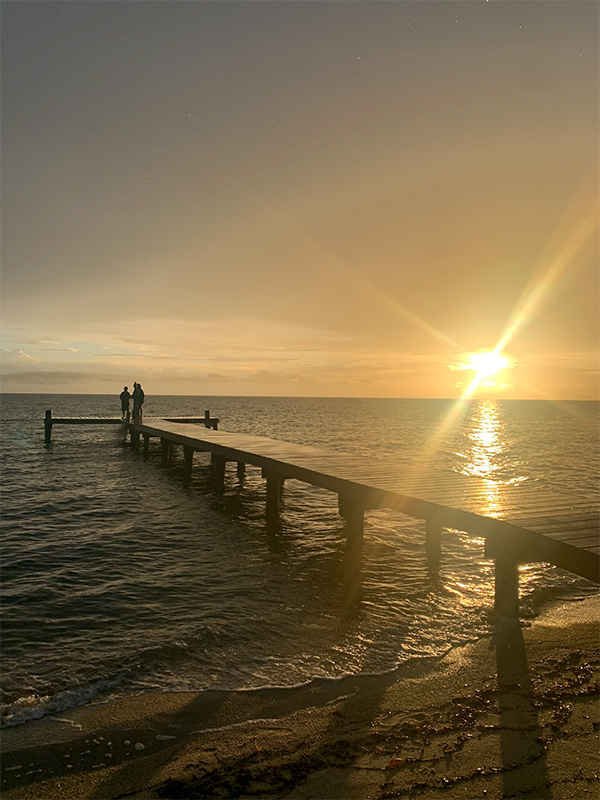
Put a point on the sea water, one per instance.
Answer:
(117, 579)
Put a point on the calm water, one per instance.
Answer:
(117, 579)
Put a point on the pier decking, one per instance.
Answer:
(519, 524)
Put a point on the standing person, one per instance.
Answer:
(125, 398)
(138, 400)
(141, 398)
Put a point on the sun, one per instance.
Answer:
(484, 364)
(487, 363)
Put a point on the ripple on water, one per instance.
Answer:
(118, 579)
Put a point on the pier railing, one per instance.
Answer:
(50, 421)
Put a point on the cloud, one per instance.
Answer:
(16, 357)
(135, 340)
(266, 376)
(58, 350)
(54, 377)
(121, 355)
(215, 376)
(255, 376)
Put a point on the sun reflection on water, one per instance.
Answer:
(486, 444)
(484, 454)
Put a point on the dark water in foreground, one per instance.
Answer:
(117, 579)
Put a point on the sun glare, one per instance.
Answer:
(487, 363)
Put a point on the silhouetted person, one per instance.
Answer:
(125, 398)
(138, 400)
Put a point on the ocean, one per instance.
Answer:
(119, 580)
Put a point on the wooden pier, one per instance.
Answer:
(519, 524)
(50, 421)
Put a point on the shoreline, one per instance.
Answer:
(511, 714)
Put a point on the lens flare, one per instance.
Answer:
(488, 363)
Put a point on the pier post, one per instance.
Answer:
(433, 544)
(48, 426)
(506, 595)
(274, 490)
(134, 438)
(208, 422)
(165, 451)
(241, 470)
(146, 443)
(351, 568)
(188, 455)
(355, 522)
(219, 472)
(353, 510)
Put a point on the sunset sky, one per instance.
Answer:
(300, 198)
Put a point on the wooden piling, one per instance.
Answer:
(48, 426)
(241, 470)
(274, 489)
(352, 509)
(506, 575)
(165, 451)
(188, 455)
(433, 544)
(146, 443)
(355, 522)
(219, 472)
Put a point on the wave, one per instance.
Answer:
(34, 706)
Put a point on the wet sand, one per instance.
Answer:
(513, 715)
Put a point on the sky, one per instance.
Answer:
(301, 197)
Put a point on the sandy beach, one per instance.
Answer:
(513, 715)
